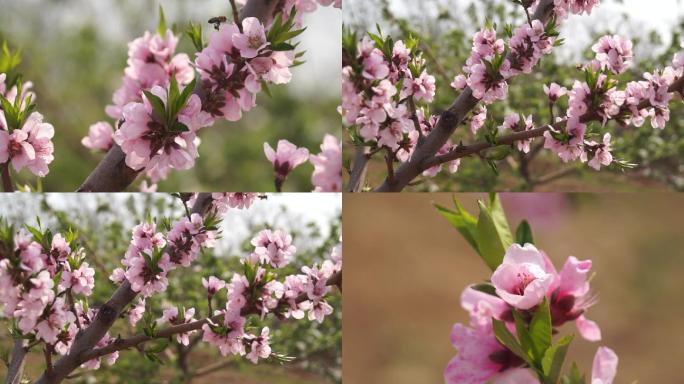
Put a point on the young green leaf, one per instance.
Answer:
(161, 27)
(463, 221)
(493, 238)
(523, 235)
(541, 330)
(552, 363)
(506, 338)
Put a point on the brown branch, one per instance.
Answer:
(111, 175)
(467, 150)
(16, 367)
(135, 341)
(357, 176)
(449, 120)
(6, 178)
(87, 338)
(545, 179)
(203, 371)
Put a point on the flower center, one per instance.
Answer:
(524, 279)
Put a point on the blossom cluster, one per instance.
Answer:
(40, 275)
(258, 291)
(25, 139)
(152, 61)
(237, 61)
(151, 255)
(599, 97)
(381, 82)
(524, 280)
(327, 174)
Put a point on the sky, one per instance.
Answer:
(321, 41)
(661, 15)
(302, 208)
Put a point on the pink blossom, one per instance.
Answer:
(253, 38)
(522, 280)
(571, 147)
(81, 280)
(136, 313)
(327, 175)
(604, 368)
(422, 88)
(30, 146)
(260, 348)
(485, 86)
(151, 62)
(147, 142)
(99, 136)
(602, 156)
(213, 285)
(512, 122)
(570, 297)
(555, 91)
(478, 120)
(287, 156)
(460, 82)
(170, 316)
(274, 247)
(475, 362)
(614, 53)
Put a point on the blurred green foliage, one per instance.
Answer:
(105, 233)
(445, 31)
(75, 58)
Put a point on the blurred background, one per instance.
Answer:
(104, 223)
(405, 269)
(75, 52)
(446, 27)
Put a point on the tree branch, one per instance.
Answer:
(87, 338)
(15, 369)
(467, 150)
(134, 341)
(112, 174)
(449, 120)
(359, 169)
(6, 178)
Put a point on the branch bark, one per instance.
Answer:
(410, 170)
(106, 315)
(359, 169)
(134, 341)
(16, 366)
(449, 120)
(6, 178)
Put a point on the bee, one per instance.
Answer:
(217, 21)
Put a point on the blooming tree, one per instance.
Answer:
(47, 279)
(516, 314)
(166, 98)
(387, 92)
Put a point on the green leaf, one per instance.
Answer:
(158, 107)
(541, 330)
(493, 234)
(523, 235)
(485, 288)
(161, 27)
(552, 363)
(179, 127)
(463, 221)
(506, 338)
(158, 346)
(194, 32)
(575, 376)
(524, 336)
